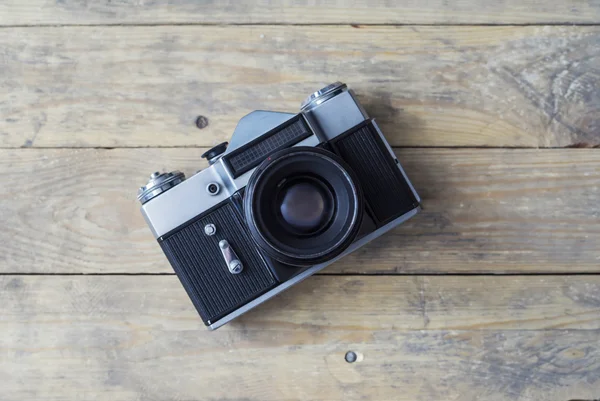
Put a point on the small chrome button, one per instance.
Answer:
(213, 188)
(210, 229)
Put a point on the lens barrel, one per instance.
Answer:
(303, 205)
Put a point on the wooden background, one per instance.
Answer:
(491, 293)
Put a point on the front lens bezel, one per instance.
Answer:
(322, 245)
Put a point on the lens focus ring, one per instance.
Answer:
(303, 206)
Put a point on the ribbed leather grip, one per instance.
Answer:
(384, 186)
(199, 264)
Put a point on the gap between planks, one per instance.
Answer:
(307, 24)
(376, 274)
(572, 146)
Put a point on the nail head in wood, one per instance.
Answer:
(201, 122)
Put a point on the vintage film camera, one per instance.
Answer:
(291, 194)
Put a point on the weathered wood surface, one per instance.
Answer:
(493, 210)
(450, 337)
(429, 338)
(115, 86)
(35, 12)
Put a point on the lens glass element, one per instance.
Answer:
(305, 204)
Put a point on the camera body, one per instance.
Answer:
(289, 195)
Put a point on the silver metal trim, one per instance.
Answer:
(159, 183)
(320, 96)
(190, 198)
(309, 272)
(335, 115)
(187, 200)
(232, 261)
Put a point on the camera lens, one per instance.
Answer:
(303, 206)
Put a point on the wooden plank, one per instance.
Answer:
(427, 86)
(14, 12)
(467, 338)
(495, 211)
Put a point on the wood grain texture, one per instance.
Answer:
(35, 12)
(427, 86)
(494, 211)
(429, 338)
